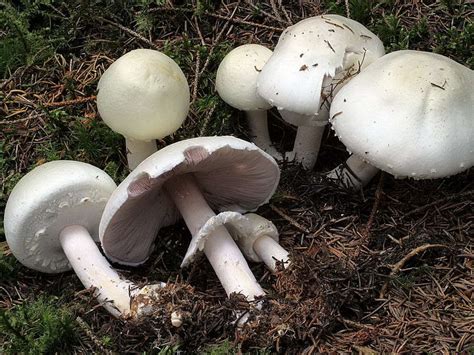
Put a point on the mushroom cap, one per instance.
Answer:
(409, 113)
(236, 79)
(315, 56)
(48, 199)
(233, 175)
(247, 232)
(143, 95)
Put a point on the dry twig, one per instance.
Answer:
(87, 330)
(398, 266)
(289, 219)
(70, 102)
(443, 200)
(130, 32)
(378, 196)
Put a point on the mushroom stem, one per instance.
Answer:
(258, 125)
(94, 270)
(306, 146)
(137, 151)
(271, 252)
(354, 173)
(220, 249)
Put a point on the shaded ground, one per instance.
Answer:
(386, 269)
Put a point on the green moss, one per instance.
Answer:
(457, 44)
(223, 348)
(8, 267)
(23, 43)
(37, 327)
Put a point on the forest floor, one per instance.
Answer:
(385, 269)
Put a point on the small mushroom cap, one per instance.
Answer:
(236, 80)
(409, 113)
(48, 199)
(249, 231)
(233, 175)
(143, 95)
(198, 242)
(313, 57)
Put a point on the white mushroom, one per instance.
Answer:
(192, 178)
(51, 223)
(144, 96)
(236, 83)
(311, 61)
(410, 114)
(257, 237)
(176, 319)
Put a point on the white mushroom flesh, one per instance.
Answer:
(144, 96)
(311, 61)
(51, 224)
(236, 83)
(410, 114)
(220, 249)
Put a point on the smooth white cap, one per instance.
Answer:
(143, 95)
(233, 175)
(311, 56)
(48, 199)
(409, 113)
(236, 79)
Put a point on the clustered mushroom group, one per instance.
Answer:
(409, 113)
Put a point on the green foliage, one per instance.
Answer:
(9, 179)
(23, 45)
(224, 348)
(203, 6)
(8, 267)
(397, 33)
(227, 348)
(397, 36)
(406, 281)
(169, 350)
(80, 138)
(144, 22)
(457, 44)
(94, 141)
(106, 341)
(361, 10)
(37, 327)
(180, 52)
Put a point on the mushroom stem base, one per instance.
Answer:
(258, 125)
(138, 151)
(354, 173)
(271, 252)
(306, 146)
(220, 249)
(94, 270)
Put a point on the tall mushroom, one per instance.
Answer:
(311, 61)
(144, 96)
(236, 83)
(192, 178)
(257, 237)
(51, 224)
(410, 114)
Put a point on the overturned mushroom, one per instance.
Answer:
(311, 61)
(236, 83)
(410, 114)
(144, 96)
(51, 221)
(192, 178)
(257, 237)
